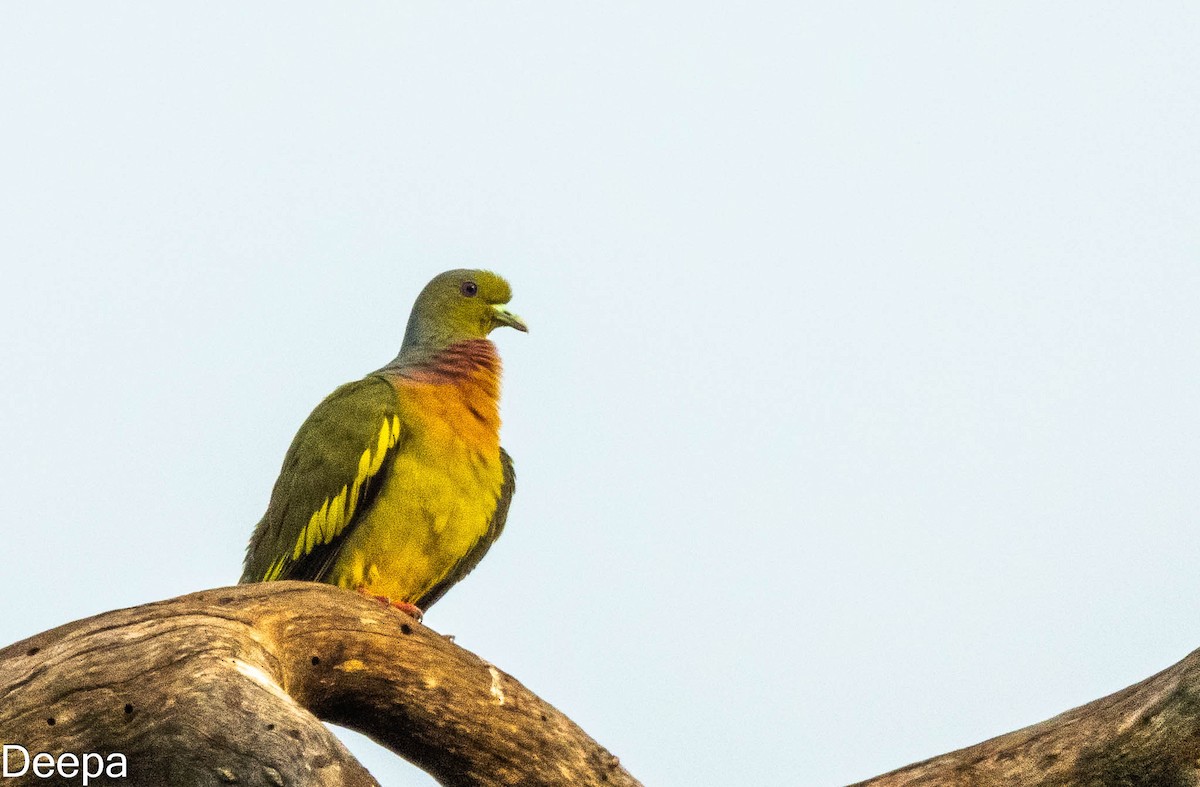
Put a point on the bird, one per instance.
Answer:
(396, 485)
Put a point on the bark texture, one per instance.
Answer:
(228, 686)
(1147, 735)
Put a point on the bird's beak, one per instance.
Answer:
(504, 317)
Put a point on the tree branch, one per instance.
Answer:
(226, 686)
(1147, 734)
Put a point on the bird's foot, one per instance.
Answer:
(412, 610)
(384, 600)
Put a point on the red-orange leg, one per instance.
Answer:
(412, 610)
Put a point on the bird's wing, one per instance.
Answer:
(330, 476)
(476, 553)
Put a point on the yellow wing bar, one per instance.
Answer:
(336, 512)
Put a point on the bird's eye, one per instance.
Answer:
(469, 289)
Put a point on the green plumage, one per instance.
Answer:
(396, 484)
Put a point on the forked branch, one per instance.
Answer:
(227, 686)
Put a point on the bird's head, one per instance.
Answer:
(459, 305)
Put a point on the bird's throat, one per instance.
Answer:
(473, 359)
(459, 384)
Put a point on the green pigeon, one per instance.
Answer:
(396, 484)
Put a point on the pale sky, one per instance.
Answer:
(858, 417)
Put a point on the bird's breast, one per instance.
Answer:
(453, 402)
(442, 488)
